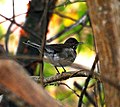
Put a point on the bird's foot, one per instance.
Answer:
(57, 73)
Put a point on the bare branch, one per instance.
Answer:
(9, 29)
(61, 83)
(87, 81)
(68, 2)
(12, 17)
(15, 79)
(44, 16)
(26, 29)
(7, 37)
(62, 76)
(64, 16)
(81, 21)
(86, 93)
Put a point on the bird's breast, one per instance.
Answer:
(65, 58)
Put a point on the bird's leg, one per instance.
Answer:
(63, 68)
(57, 70)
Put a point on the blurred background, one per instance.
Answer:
(65, 14)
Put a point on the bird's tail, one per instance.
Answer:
(32, 44)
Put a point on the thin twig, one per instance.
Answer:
(12, 17)
(74, 91)
(7, 37)
(100, 90)
(13, 10)
(86, 93)
(87, 81)
(68, 3)
(81, 21)
(25, 28)
(43, 39)
(38, 59)
(64, 16)
(9, 29)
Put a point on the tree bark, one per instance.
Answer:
(105, 20)
(37, 20)
(15, 79)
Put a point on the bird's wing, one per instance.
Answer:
(56, 48)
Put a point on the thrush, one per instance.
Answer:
(60, 55)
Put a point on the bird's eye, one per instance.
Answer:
(74, 46)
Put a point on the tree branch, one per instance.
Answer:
(15, 79)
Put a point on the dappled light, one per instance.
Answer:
(55, 52)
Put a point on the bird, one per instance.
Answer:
(60, 55)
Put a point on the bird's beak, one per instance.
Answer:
(80, 43)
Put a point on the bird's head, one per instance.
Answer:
(72, 42)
